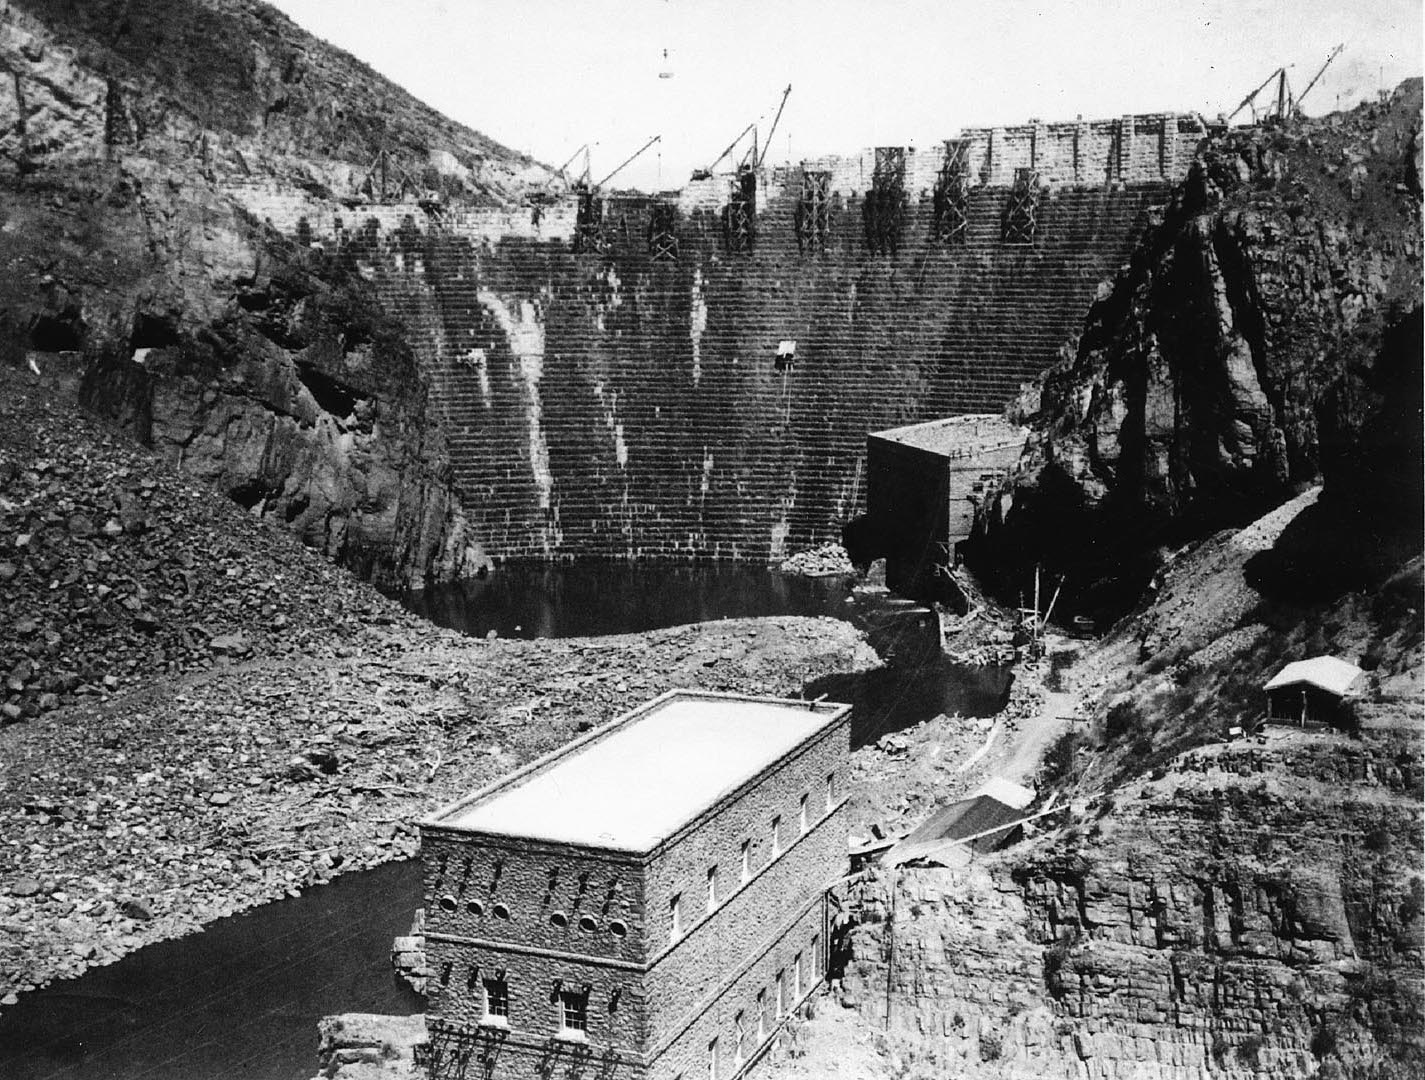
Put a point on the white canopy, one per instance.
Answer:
(1325, 672)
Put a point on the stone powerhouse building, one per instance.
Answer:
(648, 901)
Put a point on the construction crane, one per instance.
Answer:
(584, 178)
(1320, 72)
(1278, 73)
(704, 174)
(785, 94)
(628, 161)
(754, 156)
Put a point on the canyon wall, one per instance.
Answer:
(1244, 347)
(615, 389)
(271, 374)
(1248, 911)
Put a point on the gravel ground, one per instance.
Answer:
(201, 715)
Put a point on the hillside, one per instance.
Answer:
(198, 714)
(1230, 364)
(274, 373)
(1251, 908)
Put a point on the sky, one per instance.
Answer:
(546, 76)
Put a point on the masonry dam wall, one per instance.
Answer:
(606, 368)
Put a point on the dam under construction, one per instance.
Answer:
(693, 374)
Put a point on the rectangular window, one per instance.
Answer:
(712, 888)
(830, 790)
(797, 977)
(573, 1011)
(761, 1015)
(747, 860)
(815, 956)
(741, 1027)
(675, 910)
(712, 1060)
(497, 999)
(802, 814)
(781, 992)
(776, 835)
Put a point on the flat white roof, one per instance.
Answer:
(636, 781)
(1326, 672)
(957, 435)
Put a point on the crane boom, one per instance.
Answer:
(703, 174)
(560, 171)
(628, 161)
(1322, 71)
(1253, 95)
(783, 105)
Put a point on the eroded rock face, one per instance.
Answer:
(1252, 912)
(1248, 324)
(369, 1046)
(261, 366)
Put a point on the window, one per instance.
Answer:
(497, 1000)
(712, 1060)
(776, 835)
(830, 790)
(747, 860)
(797, 977)
(573, 1012)
(761, 1015)
(815, 955)
(712, 888)
(675, 909)
(802, 814)
(740, 1025)
(781, 992)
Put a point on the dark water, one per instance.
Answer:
(580, 599)
(243, 998)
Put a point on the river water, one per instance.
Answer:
(242, 999)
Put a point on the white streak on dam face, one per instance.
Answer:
(525, 334)
(477, 359)
(697, 323)
(609, 404)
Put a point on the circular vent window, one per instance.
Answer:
(501, 912)
(617, 929)
(475, 907)
(587, 924)
(559, 919)
(447, 903)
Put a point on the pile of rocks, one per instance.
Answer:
(114, 570)
(825, 561)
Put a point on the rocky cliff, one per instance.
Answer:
(1233, 359)
(1203, 906)
(268, 369)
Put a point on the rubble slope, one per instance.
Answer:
(265, 368)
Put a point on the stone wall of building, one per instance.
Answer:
(690, 1051)
(618, 403)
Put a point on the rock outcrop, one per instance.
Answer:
(1253, 912)
(1228, 360)
(259, 365)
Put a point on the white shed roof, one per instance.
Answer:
(1325, 672)
(634, 782)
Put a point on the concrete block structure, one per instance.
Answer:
(646, 902)
(924, 484)
(629, 397)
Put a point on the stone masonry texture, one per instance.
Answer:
(656, 1001)
(609, 403)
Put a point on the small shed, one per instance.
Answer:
(1314, 691)
(978, 824)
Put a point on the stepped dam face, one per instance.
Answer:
(694, 374)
